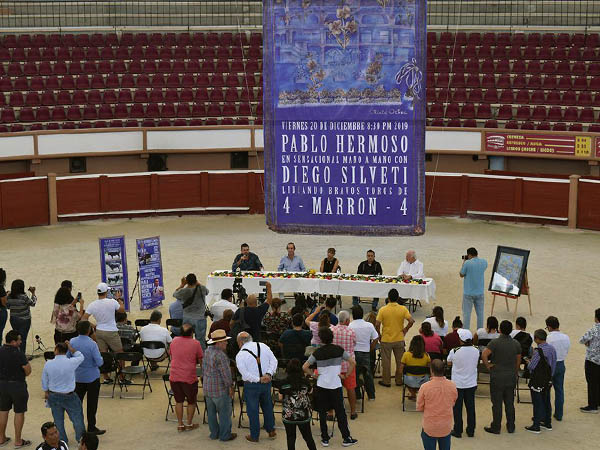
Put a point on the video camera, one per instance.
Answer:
(239, 291)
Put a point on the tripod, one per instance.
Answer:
(40, 349)
(135, 286)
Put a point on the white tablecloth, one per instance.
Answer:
(322, 286)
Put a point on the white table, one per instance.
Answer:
(216, 284)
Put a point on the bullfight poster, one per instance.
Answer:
(344, 123)
(113, 266)
(152, 291)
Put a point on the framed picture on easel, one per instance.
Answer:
(510, 271)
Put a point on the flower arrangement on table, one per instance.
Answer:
(318, 275)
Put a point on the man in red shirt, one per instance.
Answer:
(436, 399)
(186, 354)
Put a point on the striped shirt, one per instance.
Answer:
(216, 373)
(328, 359)
(62, 445)
(19, 307)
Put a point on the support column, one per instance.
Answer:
(573, 191)
(52, 200)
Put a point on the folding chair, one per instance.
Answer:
(481, 368)
(413, 370)
(156, 345)
(525, 375)
(170, 396)
(140, 323)
(109, 367)
(174, 323)
(131, 371)
(48, 355)
(360, 385)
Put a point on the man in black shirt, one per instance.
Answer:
(51, 438)
(14, 367)
(246, 260)
(369, 267)
(252, 315)
(294, 342)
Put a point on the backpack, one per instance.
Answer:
(239, 326)
(541, 377)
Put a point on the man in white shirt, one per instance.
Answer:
(562, 344)
(411, 267)
(103, 309)
(464, 361)
(366, 340)
(257, 365)
(226, 302)
(154, 332)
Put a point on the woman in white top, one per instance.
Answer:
(489, 332)
(438, 324)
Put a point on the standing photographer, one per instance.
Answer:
(472, 272)
(192, 295)
(65, 314)
(20, 315)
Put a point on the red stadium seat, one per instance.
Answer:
(538, 97)
(576, 127)
(484, 111)
(455, 123)
(156, 96)
(168, 110)
(543, 126)
(216, 96)
(565, 83)
(183, 110)
(468, 111)
(528, 126)
(491, 96)
(586, 115)
(534, 82)
(519, 82)
(459, 96)
(564, 68)
(539, 113)
(140, 96)
(555, 114)
(79, 98)
(453, 111)
(475, 96)
(90, 112)
(511, 125)
(550, 82)
(109, 96)
(595, 128)
(31, 99)
(16, 99)
(491, 123)
(48, 98)
(436, 110)
(489, 81)
(574, 53)
(36, 84)
(127, 81)
(116, 124)
(580, 83)
(152, 110)
(559, 127)
(124, 96)
(131, 123)
(505, 112)
(121, 112)
(201, 95)
(503, 81)
(585, 99)
(171, 96)
(21, 84)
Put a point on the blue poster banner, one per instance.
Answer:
(113, 266)
(152, 291)
(344, 123)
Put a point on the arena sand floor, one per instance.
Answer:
(563, 274)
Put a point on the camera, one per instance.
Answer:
(465, 257)
(239, 290)
(79, 296)
(207, 313)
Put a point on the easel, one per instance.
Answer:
(524, 291)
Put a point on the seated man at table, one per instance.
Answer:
(252, 315)
(369, 267)
(246, 260)
(291, 262)
(411, 267)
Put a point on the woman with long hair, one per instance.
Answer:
(3, 311)
(438, 324)
(416, 356)
(295, 394)
(19, 303)
(452, 340)
(275, 323)
(65, 315)
(486, 334)
(433, 343)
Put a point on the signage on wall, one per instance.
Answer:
(113, 266)
(538, 144)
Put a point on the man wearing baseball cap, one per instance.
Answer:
(217, 386)
(107, 334)
(464, 360)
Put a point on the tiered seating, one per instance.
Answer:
(100, 80)
(528, 81)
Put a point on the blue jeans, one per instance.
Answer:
(218, 411)
(470, 301)
(3, 319)
(430, 443)
(542, 408)
(364, 359)
(558, 381)
(256, 394)
(59, 403)
(356, 301)
(199, 329)
(22, 326)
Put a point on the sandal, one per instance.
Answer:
(24, 443)
(192, 426)
(7, 440)
(180, 427)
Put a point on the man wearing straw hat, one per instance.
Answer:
(217, 386)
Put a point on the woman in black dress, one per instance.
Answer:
(330, 264)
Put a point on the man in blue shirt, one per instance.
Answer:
(87, 375)
(176, 312)
(472, 272)
(291, 262)
(542, 408)
(58, 384)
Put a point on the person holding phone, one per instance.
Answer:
(66, 314)
(19, 304)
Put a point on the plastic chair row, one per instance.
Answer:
(135, 66)
(523, 96)
(155, 95)
(129, 39)
(70, 82)
(37, 54)
(507, 112)
(474, 66)
(533, 39)
(515, 52)
(519, 81)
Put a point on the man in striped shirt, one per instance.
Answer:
(51, 438)
(217, 386)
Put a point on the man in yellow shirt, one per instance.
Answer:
(392, 316)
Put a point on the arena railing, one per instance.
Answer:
(574, 202)
(247, 14)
